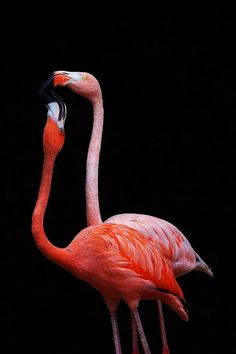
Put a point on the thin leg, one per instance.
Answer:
(135, 349)
(142, 336)
(165, 348)
(115, 330)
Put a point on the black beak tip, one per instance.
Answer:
(48, 96)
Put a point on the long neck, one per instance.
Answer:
(91, 189)
(55, 254)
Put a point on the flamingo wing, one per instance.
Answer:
(170, 241)
(118, 252)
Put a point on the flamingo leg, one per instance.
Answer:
(135, 346)
(141, 333)
(115, 330)
(165, 348)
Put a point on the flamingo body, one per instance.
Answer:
(170, 241)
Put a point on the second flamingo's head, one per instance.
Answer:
(54, 135)
(82, 83)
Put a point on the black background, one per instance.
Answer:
(168, 83)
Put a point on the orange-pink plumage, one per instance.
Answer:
(170, 241)
(119, 261)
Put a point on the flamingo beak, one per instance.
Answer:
(58, 78)
(53, 101)
(61, 78)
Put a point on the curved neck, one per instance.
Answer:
(92, 166)
(55, 254)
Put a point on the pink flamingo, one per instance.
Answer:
(168, 239)
(115, 259)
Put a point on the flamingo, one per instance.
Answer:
(116, 260)
(169, 240)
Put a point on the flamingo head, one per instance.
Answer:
(82, 83)
(54, 136)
